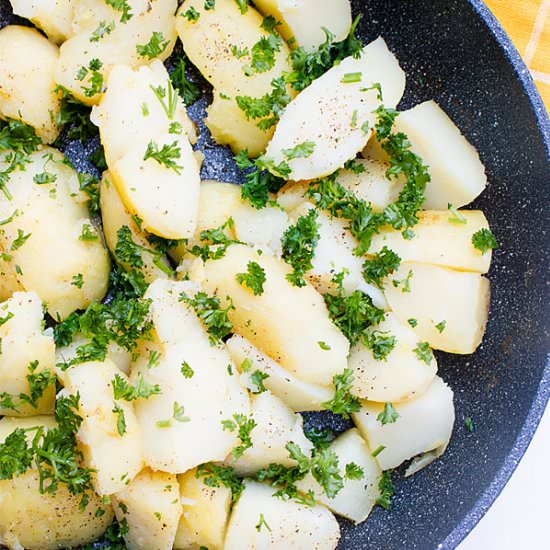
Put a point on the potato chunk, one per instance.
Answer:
(260, 521)
(101, 434)
(276, 426)
(401, 375)
(298, 395)
(151, 506)
(210, 41)
(25, 347)
(358, 495)
(335, 114)
(304, 20)
(54, 17)
(105, 37)
(54, 247)
(285, 322)
(457, 174)
(439, 239)
(424, 424)
(27, 81)
(43, 521)
(450, 307)
(197, 391)
(205, 513)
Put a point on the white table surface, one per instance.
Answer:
(520, 517)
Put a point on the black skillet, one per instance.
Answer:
(455, 52)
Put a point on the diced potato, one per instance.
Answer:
(401, 375)
(189, 408)
(205, 513)
(23, 343)
(43, 521)
(100, 435)
(358, 496)
(298, 395)
(130, 114)
(337, 117)
(304, 20)
(27, 81)
(285, 322)
(457, 174)
(262, 229)
(450, 307)
(44, 237)
(166, 199)
(119, 46)
(151, 506)
(424, 424)
(260, 521)
(276, 426)
(115, 216)
(208, 41)
(439, 240)
(372, 186)
(52, 16)
(334, 253)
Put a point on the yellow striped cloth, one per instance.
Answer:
(527, 22)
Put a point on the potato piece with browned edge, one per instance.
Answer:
(205, 513)
(305, 20)
(45, 521)
(360, 474)
(424, 424)
(259, 520)
(296, 394)
(49, 237)
(151, 506)
(450, 307)
(27, 81)
(289, 324)
(26, 351)
(109, 426)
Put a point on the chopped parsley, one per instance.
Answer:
(191, 14)
(354, 472)
(298, 246)
(92, 76)
(74, 117)
(382, 264)
(141, 390)
(156, 45)
(44, 178)
(343, 402)
(323, 345)
(243, 5)
(389, 415)
(166, 155)
(103, 29)
(253, 279)
(380, 343)
(209, 4)
(378, 450)
(457, 216)
(351, 78)
(262, 54)
(179, 413)
(216, 242)
(188, 90)
(186, 370)
(123, 7)
(239, 52)
(257, 381)
(214, 475)
(302, 150)
(324, 467)
(412, 322)
(469, 424)
(484, 240)
(167, 97)
(244, 425)
(423, 352)
(263, 523)
(121, 419)
(78, 280)
(20, 240)
(385, 486)
(441, 326)
(88, 234)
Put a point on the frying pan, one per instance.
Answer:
(455, 52)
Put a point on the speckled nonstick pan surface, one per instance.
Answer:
(455, 52)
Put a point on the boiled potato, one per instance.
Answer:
(298, 395)
(334, 117)
(292, 195)
(401, 375)
(276, 426)
(151, 506)
(450, 307)
(54, 17)
(209, 41)
(285, 322)
(424, 424)
(43, 521)
(259, 520)
(115, 216)
(205, 513)
(78, 70)
(439, 239)
(23, 343)
(304, 20)
(52, 242)
(193, 403)
(371, 185)
(357, 497)
(457, 174)
(8, 279)
(100, 437)
(27, 81)
(334, 253)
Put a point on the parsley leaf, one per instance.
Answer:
(156, 45)
(354, 472)
(263, 54)
(216, 242)
(257, 380)
(382, 264)
(324, 467)
(302, 150)
(385, 486)
(121, 419)
(92, 76)
(142, 389)
(215, 475)
(191, 14)
(343, 402)
(245, 426)
(423, 352)
(188, 90)
(254, 278)
(243, 5)
(103, 29)
(167, 155)
(121, 6)
(389, 415)
(15, 455)
(484, 240)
